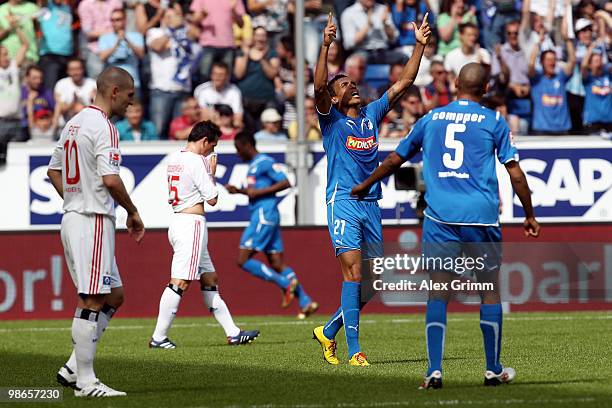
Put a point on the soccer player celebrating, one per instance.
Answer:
(84, 170)
(191, 182)
(350, 139)
(460, 142)
(264, 180)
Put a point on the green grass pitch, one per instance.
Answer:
(562, 360)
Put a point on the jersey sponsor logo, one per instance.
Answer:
(600, 90)
(552, 100)
(355, 143)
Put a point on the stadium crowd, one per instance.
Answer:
(233, 61)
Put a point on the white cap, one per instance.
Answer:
(583, 23)
(270, 115)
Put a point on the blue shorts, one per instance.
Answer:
(455, 241)
(263, 233)
(355, 224)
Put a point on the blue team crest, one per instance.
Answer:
(106, 280)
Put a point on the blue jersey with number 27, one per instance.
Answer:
(460, 142)
(351, 145)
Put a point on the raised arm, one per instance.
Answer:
(571, 57)
(23, 49)
(521, 188)
(322, 96)
(584, 66)
(531, 71)
(411, 69)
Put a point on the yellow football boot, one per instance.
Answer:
(359, 359)
(328, 346)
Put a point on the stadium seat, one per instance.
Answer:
(377, 75)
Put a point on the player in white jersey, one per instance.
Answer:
(84, 169)
(191, 182)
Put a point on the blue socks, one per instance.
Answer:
(435, 330)
(349, 303)
(261, 271)
(491, 326)
(303, 299)
(334, 324)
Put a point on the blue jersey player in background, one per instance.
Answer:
(264, 180)
(460, 142)
(350, 140)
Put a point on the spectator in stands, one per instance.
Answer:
(411, 110)
(438, 93)
(312, 129)
(271, 121)
(55, 23)
(40, 123)
(224, 118)
(74, 92)
(314, 24)
(18, 13)
(548, 96)
(172, 52)
(95, 18)
(395, 70)
(532, 28)
(469, 51)
(367, 27)
(575, 88)
(424, 77)
(518, 99)
(216, 33)
(495, 15)
(272, 15)
(335, 59)
(220, 91)
(244, 32)
(598, 92)
(454, 13)
(404, 13)
(255, 68)
(356, 68)
(122, 48)
(10, 94)
(42, 98)
(551, 11)
(133, 128)
(149, 14)
(285, 81)
(181, 126)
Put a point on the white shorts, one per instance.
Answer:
(89, 248)
(188, 236)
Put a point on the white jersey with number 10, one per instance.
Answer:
(190, 181)
(87, 150)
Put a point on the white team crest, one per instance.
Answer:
(557, 84)
(367, 124)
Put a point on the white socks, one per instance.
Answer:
(103, 319)
(219, 309)
(168, 306)
(85, 338)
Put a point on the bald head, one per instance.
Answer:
(115, 91)
(472, 80)
(113, 77)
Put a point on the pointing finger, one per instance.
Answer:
(329, 18)
(425, 19)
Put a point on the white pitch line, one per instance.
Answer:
(306, 322)
(408, 403)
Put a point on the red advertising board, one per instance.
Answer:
(35, 284)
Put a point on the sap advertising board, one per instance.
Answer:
(571, 180)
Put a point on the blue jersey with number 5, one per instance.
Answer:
(460, 142)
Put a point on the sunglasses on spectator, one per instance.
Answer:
(117, 19)
(511, 33)
(438, 72)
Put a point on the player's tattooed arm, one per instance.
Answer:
(322, 96)
(411, 68)
(55, 176)
(391, 163)
(520, 186)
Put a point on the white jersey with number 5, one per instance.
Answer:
(190, 181)
(87, 150)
